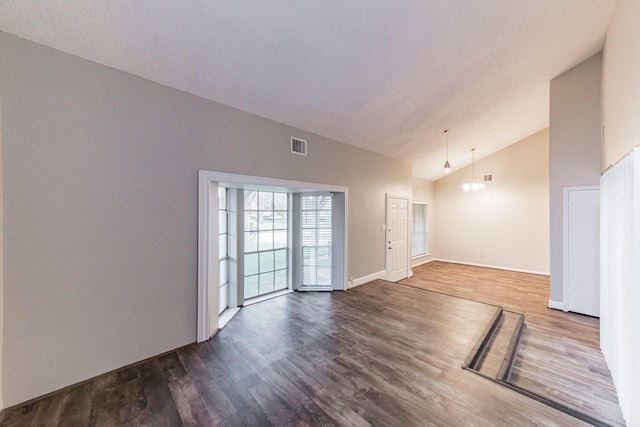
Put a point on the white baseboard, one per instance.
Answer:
(366, 279)
(497, 267)
(423, 262)
(556, 305)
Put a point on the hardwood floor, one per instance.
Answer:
(379, 354)
(559, 354)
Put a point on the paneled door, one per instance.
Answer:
(397, 243)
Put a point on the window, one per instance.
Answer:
(265, 242)
(223, 248)
(420, 230)
(316, 240)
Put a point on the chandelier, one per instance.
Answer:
(473, 184)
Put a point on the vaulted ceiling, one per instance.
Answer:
(387, 76)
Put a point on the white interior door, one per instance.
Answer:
(397, 260)
(582, 250)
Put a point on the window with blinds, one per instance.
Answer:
(420, 244)
(316, 240)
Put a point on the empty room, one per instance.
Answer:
(319, 213)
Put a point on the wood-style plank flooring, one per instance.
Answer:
(559, 353)
(379, 354)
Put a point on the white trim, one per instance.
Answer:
(203, 331)
(226, 316)
(267, 297)
(369, 278)
(556, 305)
(423, 262)
(285, 184)
(497, 267)
(208, 250)
(566, 293)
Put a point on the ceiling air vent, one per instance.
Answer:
(298, 146)
(487, 178)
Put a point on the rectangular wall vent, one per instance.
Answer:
(298, 146)
(488, 177)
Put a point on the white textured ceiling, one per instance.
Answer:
(388, 76)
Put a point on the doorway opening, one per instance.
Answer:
(256, 241)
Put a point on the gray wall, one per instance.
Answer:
(574, 148)
(100, 210)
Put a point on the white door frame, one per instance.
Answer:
(386, 233)
(208, 235)
(566, 293)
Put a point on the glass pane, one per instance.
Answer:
(222, 222)
(324, 202)
(265, 202)
(250, 200)
(309, 219)
(266, 220)
(250, 241)
(280, 239)
(280, 259)
(309, 237)
(224, 299)
(266, 240)
(280, 201)
(222, 245)
(324, 219)
(266, 283)
(250, 264)
(308, 276)
(266, 261)
(222, 198)
(280, 281)
(250, 286)
(280, 221)
(250, 220)
(309, 256)
(324, 237)
(223, 272)
(308, 203)
(324, 276)
(324, 256)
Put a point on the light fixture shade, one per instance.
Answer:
(473, 184)
(447, 166)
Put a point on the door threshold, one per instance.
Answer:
(267, 297)
(226, 316)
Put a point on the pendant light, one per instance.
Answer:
(473, 184)
(447, 166)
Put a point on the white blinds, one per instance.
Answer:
(316, 240)
(620, 279)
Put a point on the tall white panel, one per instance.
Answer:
(620, 279)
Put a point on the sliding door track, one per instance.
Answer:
(496, 366)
